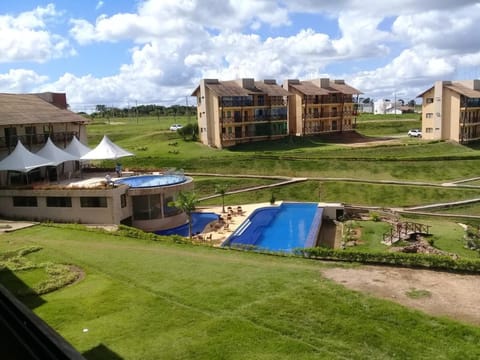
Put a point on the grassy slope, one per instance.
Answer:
(146, 300)
(407, 159)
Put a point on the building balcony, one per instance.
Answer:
(252, 120)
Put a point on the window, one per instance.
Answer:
(170, 210)
(429, 115)
(31, 134)
(25, 201)
(429, 100)
(123, 200)
(93, 202)
(59, 201)
(429, 130)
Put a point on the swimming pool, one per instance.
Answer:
(143, 181)
(280, 228)
(199, 221)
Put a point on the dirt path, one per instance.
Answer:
(439, 293)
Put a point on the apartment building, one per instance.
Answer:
(238, 111)
(321, 106)
(451, 111)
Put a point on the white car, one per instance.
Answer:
(175, 127)
(415, 133)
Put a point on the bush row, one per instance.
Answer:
(437, 262)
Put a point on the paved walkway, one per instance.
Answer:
(7, 226)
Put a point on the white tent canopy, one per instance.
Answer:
(76, 148)
(106, 150)
(23, 160)
(52, 152)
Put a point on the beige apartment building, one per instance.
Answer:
(451, 111)
(321, 106)
(239, 111)
(244, 110)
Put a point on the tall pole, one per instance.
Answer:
(395, 103)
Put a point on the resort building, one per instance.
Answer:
(33, 118)
(41, 177)
(239, 111)
(451, 111)
(321, 106)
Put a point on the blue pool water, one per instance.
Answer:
(199, 221)
(143, 181)
(282, 228)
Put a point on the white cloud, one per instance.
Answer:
(21, 80)
(99, 5)
(26, 37)
(175, 43)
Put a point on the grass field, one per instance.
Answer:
(159, 300)
(154, 300)
(405, 159)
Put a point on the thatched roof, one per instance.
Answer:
(16, 109)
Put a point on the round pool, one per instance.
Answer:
(146, 181)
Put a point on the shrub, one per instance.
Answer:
(429, 261)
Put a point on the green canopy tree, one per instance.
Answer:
(186, 201)
(222, 190)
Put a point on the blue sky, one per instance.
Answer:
(119, 52)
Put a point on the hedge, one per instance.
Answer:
(428, 261)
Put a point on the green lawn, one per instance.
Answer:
(413, 160)
(155, 300)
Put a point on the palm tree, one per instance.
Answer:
(186, 201)
(222, 190)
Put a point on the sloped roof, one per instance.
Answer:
(344, 88)
(233, 88)
(76, 148)
(33, 109)
(23, 160)
(458, 88)
(307, 88)
(271, 89)
(53, 153)
(312, 87)
(105, 150)
(463, 90)
(229, 88)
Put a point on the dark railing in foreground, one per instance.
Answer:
(25, 336)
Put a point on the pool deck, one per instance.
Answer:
(220, 235)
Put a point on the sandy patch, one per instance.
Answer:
(454, 295)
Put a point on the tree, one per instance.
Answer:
(189, 130)
(101, 109)
(186, 201)
(222, 190)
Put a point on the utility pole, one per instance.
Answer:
(136, 110)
